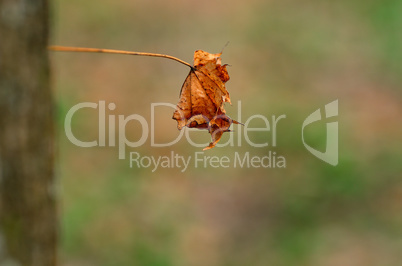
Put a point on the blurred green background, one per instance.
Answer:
(286, 57)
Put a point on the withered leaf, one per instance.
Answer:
(203, 95)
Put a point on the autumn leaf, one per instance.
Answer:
(203, 95)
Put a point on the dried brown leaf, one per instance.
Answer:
(203, 95)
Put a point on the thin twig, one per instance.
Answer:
(110, 51)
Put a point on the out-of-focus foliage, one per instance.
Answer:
(286, 57)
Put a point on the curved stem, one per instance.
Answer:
(110, 51)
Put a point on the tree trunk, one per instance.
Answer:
(28, 229)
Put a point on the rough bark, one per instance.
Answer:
(28, 230)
